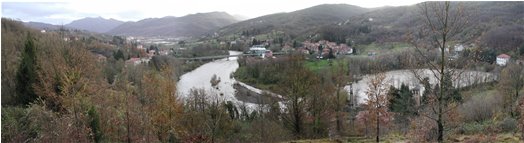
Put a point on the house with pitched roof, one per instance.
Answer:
(502, 59)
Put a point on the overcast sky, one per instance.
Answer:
(63, 12)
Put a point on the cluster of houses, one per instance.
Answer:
(309, 47)
(322, 48)
(149, 54)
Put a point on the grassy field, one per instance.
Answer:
(316, 65)
(320, 65)
(482, 90)
(382, 48)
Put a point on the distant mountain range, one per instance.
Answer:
(207, 23)
(98, 24)
(186, 26)
(381, 24)
(40, 25)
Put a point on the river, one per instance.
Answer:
(200, 78)
(461, 78)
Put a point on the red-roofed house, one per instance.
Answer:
(502, 59)
(134, 61)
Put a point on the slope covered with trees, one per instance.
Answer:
(186, 26)
(295, 22)
(95, 24)
(391, 24)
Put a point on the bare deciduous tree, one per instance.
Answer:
(340, 79)
(298, 88)
(377, 102)
(442, 21)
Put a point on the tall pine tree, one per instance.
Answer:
(26, 75)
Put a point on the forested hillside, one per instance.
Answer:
(295, 22)
(55, 90)
(392, 24)
(190, 25)
(98, 24)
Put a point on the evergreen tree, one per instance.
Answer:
(521, 50)
(26, 75)
(401, 101)
(119, 55)
(330, 54)
(452, 94)
(94, 123)
(427, 91)
(488, 55)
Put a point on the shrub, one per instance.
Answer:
(422, 129)
(472, 128)
(14, 124)
(480, 108)
(508, 125)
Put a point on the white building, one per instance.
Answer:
(140, 47)
(257, 49)
(502, 59)
(459, 48)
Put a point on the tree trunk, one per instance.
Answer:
(378, 127)
(128, 124)
(297, 117)
(442, 77)
(440, 130)
(367, 130)
(338, 110)
(513, 113)
(297, 124)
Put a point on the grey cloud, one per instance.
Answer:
(57, 13)
(35, 11)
